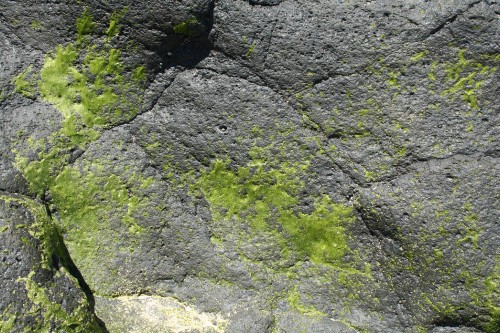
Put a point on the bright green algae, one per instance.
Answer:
(86, 83)
(263, 196)
(92, 89)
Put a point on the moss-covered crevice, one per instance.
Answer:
(93, 89)
(53, 313)
(43, 309)
(102, 213)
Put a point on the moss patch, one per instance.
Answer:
(79, 320)
(266, 198)
(296, 303)
(188, 28)
(467, 77)
(85, 25)
(23, 82)
(114, 26)
(101, 213)
(41, 313)
(90, 86)
(7, 321)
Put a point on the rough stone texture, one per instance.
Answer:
(38, 292)
(250, 166)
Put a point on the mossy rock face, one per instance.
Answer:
(249, 166)
(39, 294)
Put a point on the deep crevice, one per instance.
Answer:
(61, 257)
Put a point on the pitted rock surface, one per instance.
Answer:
(269, 166)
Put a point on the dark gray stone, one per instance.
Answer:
(252, 115)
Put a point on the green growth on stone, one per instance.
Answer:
(99, 209)
(7, 321)
(84, 26)
(53, 313)
(35, 25)
(296, 303)
(419, 55)
(42, 228)
(92, 89)
(139, 74)
(250, 50)
(320, 235)
(22, 83)
(266, 197)
(97, 92)
(251, 192)
(494, 325)
(491, 299)
(114, 27)
(188, 28)
(467, 77)
(86, 199)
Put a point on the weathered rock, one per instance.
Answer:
(255, 166)
(39, 292)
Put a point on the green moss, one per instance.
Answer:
(264, 196)
(84, 25)
(41, 228)
(250, 50)
(393, 79)
(114, 26)
(490, 298)
(35, 25)
(251, 192)
(43, 313)
(91, 88)
(364, 112)
(7, 321)
(401, 152)
(494, 325)
(467, 76)
(320, 235)
(86, 199)
(101, 213)
(96, 92)
(371, 176)
(454, 71)
(80, 320)
(139, 74)
(296, 303)
(22, 83)
(188, 28)
(419, 55)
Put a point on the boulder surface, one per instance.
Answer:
(267, 166)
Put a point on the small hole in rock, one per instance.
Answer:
(223, 128)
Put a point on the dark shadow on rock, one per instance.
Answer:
(61, 257)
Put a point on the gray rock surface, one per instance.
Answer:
(249, 166)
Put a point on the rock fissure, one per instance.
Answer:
(216, 167)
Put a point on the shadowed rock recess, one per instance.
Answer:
(260, 166)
